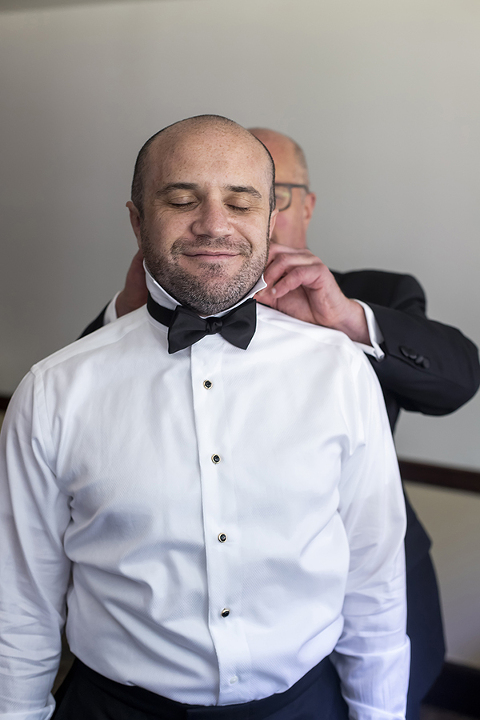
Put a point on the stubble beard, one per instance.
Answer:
(214, 291)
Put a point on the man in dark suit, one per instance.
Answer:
(422, 365)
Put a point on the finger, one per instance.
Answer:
(307, 276)
(276, 249)
(284, 263)
(266, 298)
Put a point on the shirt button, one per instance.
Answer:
(233, 680)
(216, 459)
(222, 537)
(225, 612)
(207, 384)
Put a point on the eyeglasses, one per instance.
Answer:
(283, 194)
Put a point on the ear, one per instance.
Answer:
(273, 220)
(308, 208)
(135, 221)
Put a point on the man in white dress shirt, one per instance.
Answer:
(220, 540)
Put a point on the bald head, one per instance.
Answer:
(177, 134)
(287, 154)
(290, 169)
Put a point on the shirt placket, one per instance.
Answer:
(222, 534)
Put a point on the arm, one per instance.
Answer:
(372, 654)
(133, 296)
(34, 569)
(428, 367)
(431, 367)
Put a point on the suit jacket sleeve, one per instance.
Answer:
(429, 367)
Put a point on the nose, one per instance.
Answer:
(212, 219)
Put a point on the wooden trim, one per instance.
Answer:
(440, 476)
(4, 400)
(456, 689)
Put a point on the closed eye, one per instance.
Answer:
(239, 208)
(186, 203)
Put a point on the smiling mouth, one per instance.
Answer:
(217, 255)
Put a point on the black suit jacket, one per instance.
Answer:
(428, 367)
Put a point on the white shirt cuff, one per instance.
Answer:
(374, 333)
(111, 313)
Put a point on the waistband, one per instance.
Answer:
(146, 701)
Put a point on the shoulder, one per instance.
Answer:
(94, 344)
(277, 327)
(317, 350)
(380, 287)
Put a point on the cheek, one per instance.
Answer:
(283, 221)
(283, 226)
(164, 230)
(257, 235)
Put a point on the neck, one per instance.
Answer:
(167, 299)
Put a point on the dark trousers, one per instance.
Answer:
(86, 695)
(425, 629)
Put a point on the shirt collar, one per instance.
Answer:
(163, 298)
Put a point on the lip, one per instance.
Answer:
(211, 255)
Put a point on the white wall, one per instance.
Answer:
(383, 95)
(452, 521)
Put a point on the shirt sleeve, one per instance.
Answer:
(34, 569)
(110, 314)
(373, 653)
(374, 332)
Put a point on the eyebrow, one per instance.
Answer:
(239, 189)
(248, 189)
(176, 186)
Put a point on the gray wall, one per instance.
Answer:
(383, 95)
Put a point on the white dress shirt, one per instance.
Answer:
(156, 492)
(374, 332)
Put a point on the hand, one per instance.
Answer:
(134, 294)
(300, 285)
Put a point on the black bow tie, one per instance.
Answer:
(185, 327)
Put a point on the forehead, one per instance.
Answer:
(282, 150)
(287, 167)
(210, 157)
